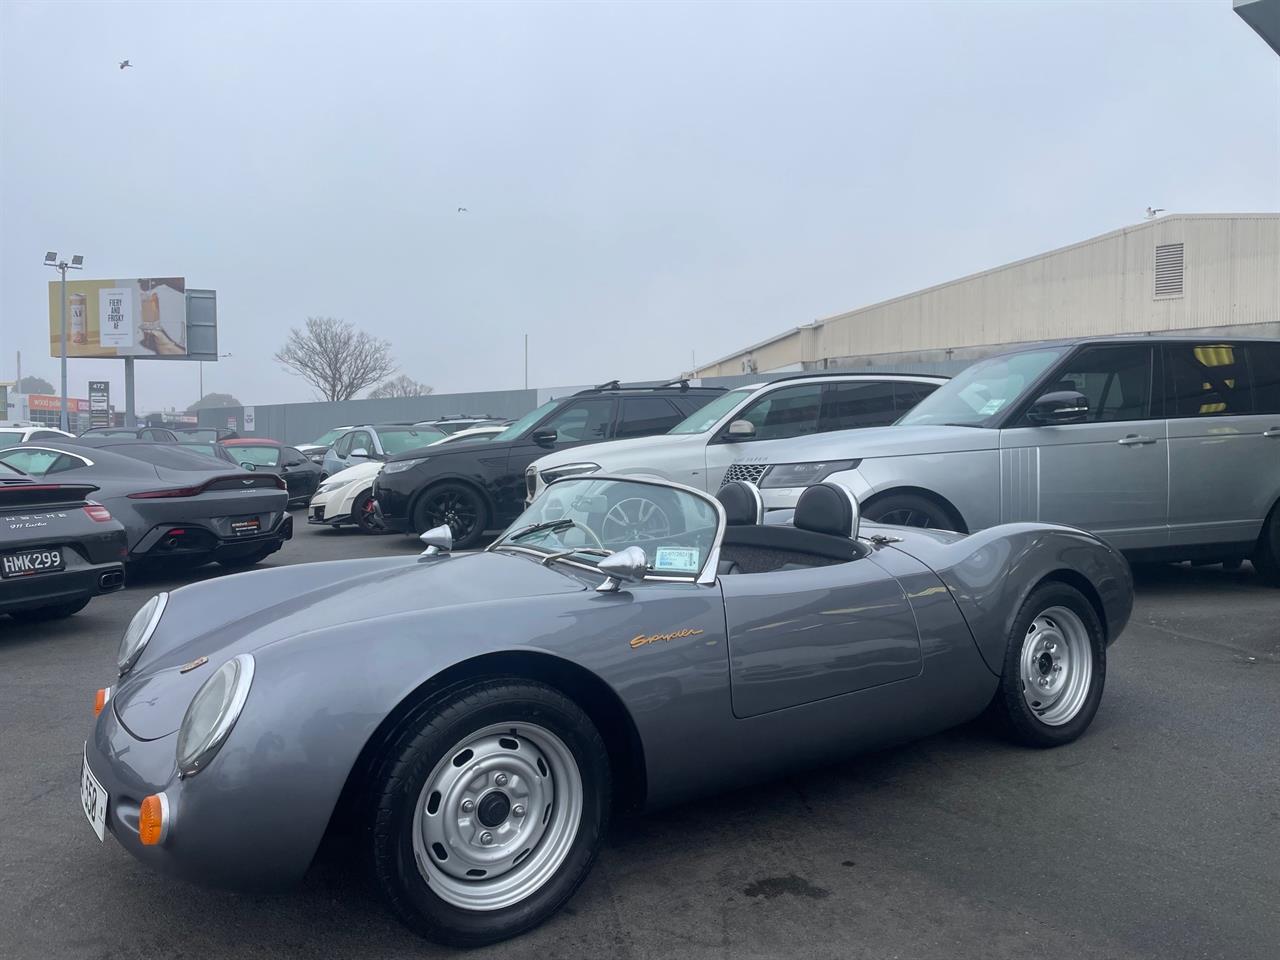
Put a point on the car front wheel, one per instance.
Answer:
(457, 505)
(487, 810)
(1055, 667)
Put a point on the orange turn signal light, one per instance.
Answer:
(151, 819)
(100, 699)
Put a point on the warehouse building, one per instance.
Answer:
(1216, 274)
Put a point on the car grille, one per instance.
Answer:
(750, 472)
(317, 513)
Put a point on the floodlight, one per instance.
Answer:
(77, 262)
(51, 258)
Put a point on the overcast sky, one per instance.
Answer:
(645, 181)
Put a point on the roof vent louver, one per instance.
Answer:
(1168, 270)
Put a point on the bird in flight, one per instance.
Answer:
(125, 63)
(1152, 211)
(463, 210)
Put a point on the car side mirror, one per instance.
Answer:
(1058, 408)
(359, 453)
(741, 430)
(438, 540)
(629, 565)
(544, 438)
(246, 465)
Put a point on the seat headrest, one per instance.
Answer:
(743, 505)
(827, 508)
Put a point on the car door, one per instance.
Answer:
(798, 636)
(791, 411)
(1109, 474)
(297, 477)
(577, 422)
(1224, 439)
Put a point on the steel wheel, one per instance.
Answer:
(635, 518)
(1056, 665)
(497, 816)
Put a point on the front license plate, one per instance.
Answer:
(30, 562)
(246, 526)
(93, 798)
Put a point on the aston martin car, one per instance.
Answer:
(478, 718)
(178, 508)
(300, 475)
(58, 548)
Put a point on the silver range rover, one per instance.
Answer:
(1169, 448)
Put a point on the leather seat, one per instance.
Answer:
(743, 505)
(827, 508)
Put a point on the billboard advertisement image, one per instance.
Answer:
(121, 318)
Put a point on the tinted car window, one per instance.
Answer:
(293, 458)
(788, 412)
(582, 420)
(1264, 369)
(1115, 380)
(1206, 380)
(849, 405)
(643, 416)
(906, 395)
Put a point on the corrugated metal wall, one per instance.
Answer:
(1097, 287)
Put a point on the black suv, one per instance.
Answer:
(479, 486)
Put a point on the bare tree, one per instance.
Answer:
(400, 386)
(336, 358)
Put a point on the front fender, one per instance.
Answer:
(992, 572)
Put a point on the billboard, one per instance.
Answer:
(151, 318)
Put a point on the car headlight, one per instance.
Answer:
(316, 457)
(803, 474)
(399, 466)
(212, 714)
(552, 474)
(329, 486)
(139, 631)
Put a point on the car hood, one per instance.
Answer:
(620, 455)
(867, 442)
(361, 471)
(220, 618)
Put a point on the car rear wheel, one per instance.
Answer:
(1055, 667)
(55, 611)
(1266, 555)
(908, 510)
(487, 810)
(457, 505)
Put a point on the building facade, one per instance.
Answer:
(1187, 273)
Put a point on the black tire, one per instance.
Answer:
(460, 506)
(909, 510)
(56, 611)
(1266, 555)
(1011, 708)
(362, 513)
(248, 560)
(430, 733)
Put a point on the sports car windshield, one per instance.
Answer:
(703, 419)
(981, 391)
(586, 519)
(262, 456)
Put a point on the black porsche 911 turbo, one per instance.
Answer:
(178, 508)
(58, 548)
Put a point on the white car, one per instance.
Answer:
(12, 436)
(700, 450)
(347, 496)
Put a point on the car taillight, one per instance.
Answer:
(280, 484)
(98, 512)
(159, 494)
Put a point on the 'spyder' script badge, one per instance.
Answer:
(641, 640)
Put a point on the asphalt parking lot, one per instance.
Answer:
(1156, 835)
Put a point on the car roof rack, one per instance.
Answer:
(810, 374)
(682, 384)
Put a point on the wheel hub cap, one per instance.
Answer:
(493, 808)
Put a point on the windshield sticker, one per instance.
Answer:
(676, 559)
(992, 406)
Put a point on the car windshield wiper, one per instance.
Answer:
(533, 528)
(560, 555)
(974, 425)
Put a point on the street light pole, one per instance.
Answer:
(77, 263)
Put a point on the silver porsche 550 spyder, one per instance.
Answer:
(480, 716)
